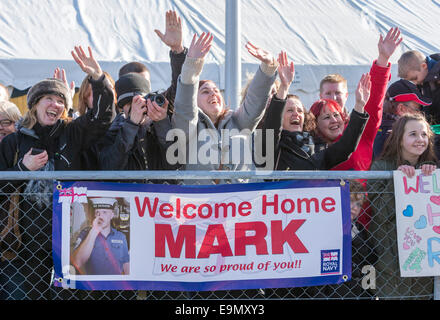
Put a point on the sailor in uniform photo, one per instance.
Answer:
(100, 248)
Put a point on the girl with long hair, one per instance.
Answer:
(409, 147)
(47, 140)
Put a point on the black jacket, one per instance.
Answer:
(127, 146)
(431, 88)
(64, 141)
(382, 134)
(176, 62)
(292, 153)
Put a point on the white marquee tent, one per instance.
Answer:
(320, 36)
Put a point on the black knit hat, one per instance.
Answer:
(49, 86)
(128, 86)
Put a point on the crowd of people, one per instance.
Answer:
(122, 125)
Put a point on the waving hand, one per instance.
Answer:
(200, 47)
(173, 32)
(88, 64)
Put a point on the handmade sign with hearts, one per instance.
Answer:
(409, 211)
(435, 199)
(417, 210)
(436, 229)
(420, 223)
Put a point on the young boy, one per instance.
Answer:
(424, 71)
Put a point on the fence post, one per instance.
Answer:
(436, 288)
(233, 50)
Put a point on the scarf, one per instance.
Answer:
(40, 191)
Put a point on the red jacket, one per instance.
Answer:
(361, 158)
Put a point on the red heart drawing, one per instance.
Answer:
(436, 229)
(435, 199)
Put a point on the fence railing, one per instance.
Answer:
(25, 234)
(187, 175)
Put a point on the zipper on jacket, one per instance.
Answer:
(64, 158)
(57, 125)
(98, 103)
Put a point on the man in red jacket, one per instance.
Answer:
(380, 74)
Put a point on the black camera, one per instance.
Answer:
(157, 97)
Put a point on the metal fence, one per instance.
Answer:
(26, 231)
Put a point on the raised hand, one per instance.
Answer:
(87, 64)
(363, 92)
(388, 45)
(97, 224)
(173, 32)
(61, 74)
(200, 47)
(261, 54)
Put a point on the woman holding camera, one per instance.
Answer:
(136, 138)
(47, 140)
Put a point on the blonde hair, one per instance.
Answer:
(10, 111)
(357, 191)
(85, 90)
(409, 61)
(333, 78)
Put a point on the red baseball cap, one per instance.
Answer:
(404, 91)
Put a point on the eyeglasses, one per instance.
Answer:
(6, 123)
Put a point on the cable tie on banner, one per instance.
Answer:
(59, 186)
(342, 182)
(345, 277)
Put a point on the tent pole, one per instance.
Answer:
(233, 57)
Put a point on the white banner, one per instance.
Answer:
(204, 237)
(418, 223)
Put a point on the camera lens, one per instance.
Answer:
(160, 100)
(156, 97)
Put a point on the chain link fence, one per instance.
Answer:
(26, 239)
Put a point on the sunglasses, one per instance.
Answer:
(6, 123)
